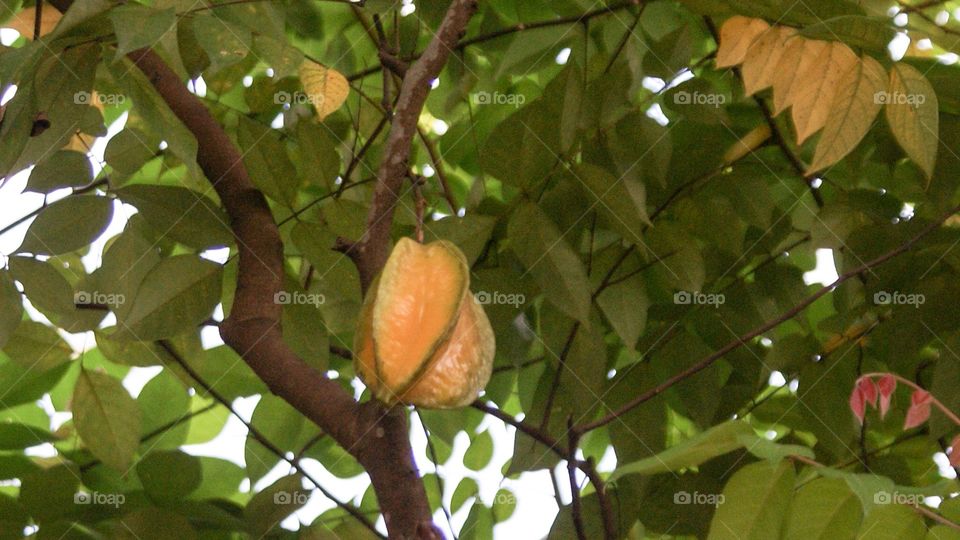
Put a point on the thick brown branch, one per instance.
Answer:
(378, 439)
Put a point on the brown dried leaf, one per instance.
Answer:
(736, 35)
(812, 96)
(762, 61)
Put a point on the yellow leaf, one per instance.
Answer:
(912, 112)
(736, 35)
(800, 54)
(762, 61)
(23, 22)
(813, 95)
(854, 108)
(327, 88)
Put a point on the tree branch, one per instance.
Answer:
(789, 314)
(260, 437)
(378, 438)
(370, 252)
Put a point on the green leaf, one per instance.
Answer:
(470, 233)
(64, 168)
(280, 424)
(180, 213)
(13, 518)
(265, 155)
(766, 449)
(465, 489)
(67, 225)
(913, 115)
(37, 347)
(552, 262)
(11, 307)
(129, 150)
(175, 296)
(139, 26)
(522, 149)
(48, 291)
(625, 305)
(504, 505)
(480, 452)
(127, 260)
(854, 108)
(164, 404)
(224, 42)
(859, 32)
(15, 436)
(479, 523)
(157, 116)
(106, 418)
(892, 522)
(716, 441)
(47, 494)
(267, 508)
(824, 509)
(319, 161)
(168, 477)
(622, 201)
(755, 502)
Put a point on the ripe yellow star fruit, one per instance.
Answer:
(423, 339)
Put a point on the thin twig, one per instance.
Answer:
(259, 437)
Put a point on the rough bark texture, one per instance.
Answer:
(376, 436)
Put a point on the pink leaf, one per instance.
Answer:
(955, 452)
(887, 384)
(858, 404)
(919, 411)
(869, 389)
